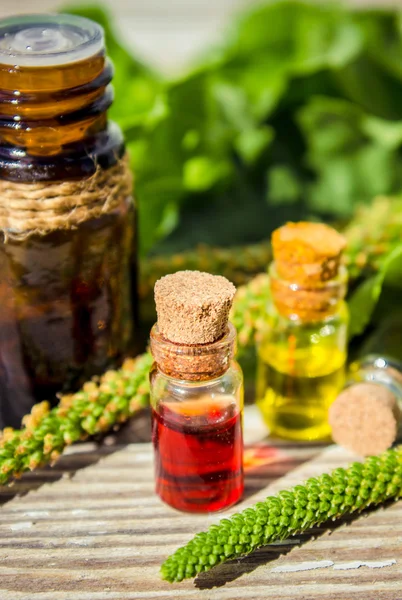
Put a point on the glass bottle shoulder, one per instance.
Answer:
(274, 320)
(304, 348)
(165, 388)
(379, 369)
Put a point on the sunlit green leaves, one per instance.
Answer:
(300, 101)
(352, 154)
(201, 173)
(283, 186)
(365, 298)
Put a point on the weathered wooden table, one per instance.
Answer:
(92, 529)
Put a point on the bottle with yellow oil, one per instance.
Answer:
(303, 343)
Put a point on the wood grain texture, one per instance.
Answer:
(92, 529)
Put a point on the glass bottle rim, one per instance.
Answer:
(307, 302)
(199, 362)
(45, 40)
(196, 349)
(335, 283)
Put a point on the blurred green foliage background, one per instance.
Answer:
(297, 113)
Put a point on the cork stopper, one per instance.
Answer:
(193, 307)
(307, 253)
(364, 418)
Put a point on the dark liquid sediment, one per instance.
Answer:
(198, 459)
(65, 311)
(66, 297)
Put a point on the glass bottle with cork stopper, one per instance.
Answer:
(67, 267)
(366, 417)
(302, 347)
(196, 394)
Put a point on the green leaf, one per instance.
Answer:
(351, 165)
(386, 133)
(250, 143)
(365, 298)
(383, 33)
(159, 200)
(366, 84)
(283, 186)
(170, 218)
(331, 126)
(261, 81)
(232, 103)
(326, 37)
(269, 27)
(386, 336)
(201, 173)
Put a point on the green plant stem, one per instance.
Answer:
(249, 308)
(372, 233)
(290, 512)
(96, 408)
(238, 263)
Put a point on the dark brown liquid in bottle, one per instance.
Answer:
(66, 297)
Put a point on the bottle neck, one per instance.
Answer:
(193, 362)
(44, 109)
(309, 301)
(379, 370)
(53, 122)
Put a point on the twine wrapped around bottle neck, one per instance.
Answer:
(39, 208)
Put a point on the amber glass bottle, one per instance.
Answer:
(66, 213)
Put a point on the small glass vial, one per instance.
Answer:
(196, 394)
(67, 232)
(303, 342)
(366, 417)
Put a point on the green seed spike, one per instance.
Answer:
(249, 308)
(374, 231)
(371, 234)
(290, 512)
(237, 263)
(99, 405)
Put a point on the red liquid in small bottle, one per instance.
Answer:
(198, 454)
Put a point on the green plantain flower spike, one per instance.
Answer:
(291, 512)
(99, 405)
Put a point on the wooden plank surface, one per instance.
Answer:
(92, 529)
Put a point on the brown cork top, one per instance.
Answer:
(364, 418)
(307, 252)
(193, 307)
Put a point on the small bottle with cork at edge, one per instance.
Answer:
(196, 394)
(303, 341)
(366, 417)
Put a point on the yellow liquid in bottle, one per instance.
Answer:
(298, 378)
